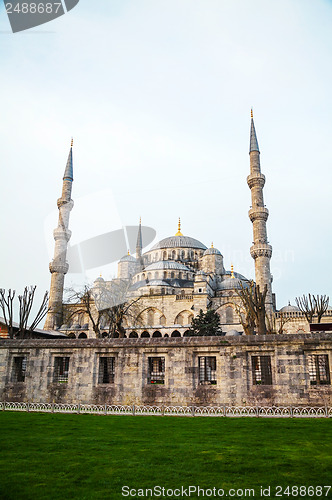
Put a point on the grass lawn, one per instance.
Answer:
(56, 456)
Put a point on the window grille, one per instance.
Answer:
(156, 371)
(207, 369)
(319, 372)
(19, 369)
(61, 369)
(106, 371)
(261, 370)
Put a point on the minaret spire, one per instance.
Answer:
(59, 265)
(261, 251)
(139, 244)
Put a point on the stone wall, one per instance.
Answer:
(234, 375)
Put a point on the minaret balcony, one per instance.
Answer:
(258, 213)
(61, 234)
(59, 267)
(261, 250)
(256, 180)
(61, 202)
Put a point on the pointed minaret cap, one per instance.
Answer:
(179, 229)
(68, 175)
(139, 244)
(232, 271)
(253, 137)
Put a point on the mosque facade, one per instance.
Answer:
(171, 282)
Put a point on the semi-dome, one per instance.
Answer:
(289, 308)
(212, 251)
(179, 242)
(166, 264)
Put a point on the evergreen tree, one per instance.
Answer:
(206, 324)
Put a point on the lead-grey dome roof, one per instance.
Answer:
(212, 251)
(289, 308)
(166, 264)
(128, 258)
(179, 242)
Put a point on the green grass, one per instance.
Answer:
(57, 456)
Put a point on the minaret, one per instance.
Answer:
(59, 265)
(261, 251)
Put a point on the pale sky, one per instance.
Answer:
(157, 95)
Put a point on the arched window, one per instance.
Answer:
(187, 333)
(156, 334)
(229, 315)
(173, 254)
(176, 334)
(180, 276)
(133, 335)
(179, 320)
(149, 276)
(145, 334)
(182, 255)
(165, 255)
(172, 274)
(165, 274)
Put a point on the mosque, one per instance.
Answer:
(162, 289)
(175, 279)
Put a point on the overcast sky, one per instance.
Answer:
(157, 95)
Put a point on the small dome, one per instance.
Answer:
(289, 308)
(233, 333)
(230, 284)
(179, 242)
(99, 280)
(167, 264)
(76, 326)
(128, 258)
(212, 251)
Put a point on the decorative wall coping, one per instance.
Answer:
(177, 411)
(249, 340)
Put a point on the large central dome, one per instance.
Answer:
(179, 242)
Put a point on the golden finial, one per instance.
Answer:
(72, 142)
(140, 220)
(179, 229)
(252, 113)
(212, 244)
(232, 271)
(100, 276)
(128, 252)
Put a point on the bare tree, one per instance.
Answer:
(246, 319)
(253, 302)
(311, 305)
(106, 304)
(321, 305)
(85, 302)
(25, 305)
(6, 304)
(272, 323)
